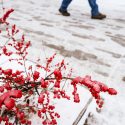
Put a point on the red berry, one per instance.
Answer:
(18, 72)
(76, 98)
(33, 85)
(3, 97)
(41, 98)
(36, 75)
(104, 88)
(54, 122)
(9, 103)
(58, 74)
(7, 86)
(20, 115)
(57, 84)
(44, 84)
(4, 50)
(43, 110)
(16, 93)
(23, 121)
(39, 113)
(76, 80)
(5, 118)
(8, 72)
(112, 91)
(1, 89)
(96, 88)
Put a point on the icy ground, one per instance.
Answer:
(92, 47)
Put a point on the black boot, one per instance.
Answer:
(99, 16)
(64, 12)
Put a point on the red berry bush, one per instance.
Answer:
(19, 89)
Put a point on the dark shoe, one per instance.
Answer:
(99, 16)
(64, 13)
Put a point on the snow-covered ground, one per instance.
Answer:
(91, 46)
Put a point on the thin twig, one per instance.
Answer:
(82, 112)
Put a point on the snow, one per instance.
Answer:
(90, 46)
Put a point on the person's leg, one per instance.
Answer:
(65, 4)
(94, 7)
(95, 14)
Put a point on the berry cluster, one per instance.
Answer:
(20, 89)
(94, 87)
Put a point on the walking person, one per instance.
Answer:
(95, 14)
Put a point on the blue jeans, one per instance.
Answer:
(92, 3)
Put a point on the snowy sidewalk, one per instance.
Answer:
(92, 47)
